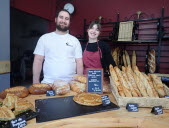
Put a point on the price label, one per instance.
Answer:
(105, 100)
(18, 122)
(94, 80)
(50, 93)
(157, 110)
(132, 107)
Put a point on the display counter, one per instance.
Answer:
(113, 118)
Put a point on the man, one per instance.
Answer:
(60, 52)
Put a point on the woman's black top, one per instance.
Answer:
(107, 58)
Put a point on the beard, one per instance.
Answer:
(62, 29)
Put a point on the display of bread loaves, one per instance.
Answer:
(20, 91)
(37, 89)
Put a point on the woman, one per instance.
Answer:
(96, 54)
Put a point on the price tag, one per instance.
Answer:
(157, 110)
(50, 93)
(18, 122)
(165, 79)
(132, 107)
(105, 100)
(94, 80)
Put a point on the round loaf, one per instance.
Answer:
(20, 91)
(37, 89)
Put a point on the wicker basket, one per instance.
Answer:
(141, 101)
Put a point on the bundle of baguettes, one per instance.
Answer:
(133, 83)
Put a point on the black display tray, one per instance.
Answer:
(64, 107)
(28, 114)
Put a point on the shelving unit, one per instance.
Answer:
(147, 34)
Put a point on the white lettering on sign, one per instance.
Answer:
(133, 107)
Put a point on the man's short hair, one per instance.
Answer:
(57, 13)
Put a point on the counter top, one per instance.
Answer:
(114, 118)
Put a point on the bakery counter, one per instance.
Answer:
(113, 118)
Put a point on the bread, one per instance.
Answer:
(77, 86)
(88, 99)
(10, 100)
(158, 85)
(6, 114)
(22, 105)
(124, 59)
(116, 81)
(126, 88)
(20, 91)
(130, 75)
(152, 61)
(61, 87)
(37, 89)
(133, 59)
(80, 78)
(127, 58)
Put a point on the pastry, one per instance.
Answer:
(6, 114)
(77, 86)
(20, 91)
(37, 89)
(88, 99)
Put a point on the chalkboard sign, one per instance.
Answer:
(132, 107)
(18, 122)
(157, 110)
(94, 80)
(105, 100)
(50, 93)
(165, 79)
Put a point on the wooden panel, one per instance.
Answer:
(4, 67)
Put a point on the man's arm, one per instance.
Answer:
(79, 66)
(37, 67)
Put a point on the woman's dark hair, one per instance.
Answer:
(95, 23)
(64, 10)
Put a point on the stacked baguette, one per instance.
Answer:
(133, 83)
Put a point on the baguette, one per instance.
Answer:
(126, 89)
(158, 85)
(127, 58)
(152, 61)
(116, 81)
(133, 59)
(124, 60)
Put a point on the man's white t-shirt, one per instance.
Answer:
(60, 52)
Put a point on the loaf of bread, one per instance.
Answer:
(116, 81)
(10, 100)
(37, 89)
(61, 87)
(133, 59)
(80, 78)
(6, 114)
(20, 91)
(158, 85)
(127, 58)
(152, 61)
(77, 86)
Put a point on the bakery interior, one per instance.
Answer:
(24, 21)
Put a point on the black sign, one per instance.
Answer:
(18, 122)
(157, 110)
(50, 93)
(105, 100)
(132, 107)
(166, 96)
(165, 79)
(94, 80)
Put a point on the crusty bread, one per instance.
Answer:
(133, 59)
(116, 81)
(152, 61)
(127, 58)
(61, 87)
(77, 86)
(37, 89)
(6, 114)
(80, 78)
(126, 88)
(22, 105)
(124, 59)
(20, 91)
(10, 100)
(158, 85)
